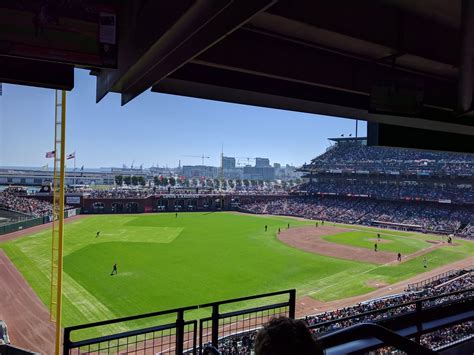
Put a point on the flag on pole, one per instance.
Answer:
(71, 156)
(50, 154)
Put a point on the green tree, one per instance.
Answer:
(246, 183)
(119, 180)
(164, 181)
(141, 181)
(172, 181)
(127, 180)
(134, 180)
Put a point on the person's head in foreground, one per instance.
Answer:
(285, 336)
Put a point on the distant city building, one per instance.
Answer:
(287, 172)
(259, 173)
(262, 162)
(228, 162)
(106, 176)
(196, 171)
(38, 177)
(235, 173)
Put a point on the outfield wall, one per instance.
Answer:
(32, 222)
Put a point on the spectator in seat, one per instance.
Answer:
(285, 336)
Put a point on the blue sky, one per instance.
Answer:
(156, 129)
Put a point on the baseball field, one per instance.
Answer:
(165, 261)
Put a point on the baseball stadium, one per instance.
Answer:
(369, 251)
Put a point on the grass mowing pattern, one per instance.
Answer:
(166, 262)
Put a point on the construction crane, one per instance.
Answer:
(198, 156)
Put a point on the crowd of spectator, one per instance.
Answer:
(144, 192)
(423, 216)
(239, 344)
(25, 205)
(392, 190)
(468, 231)
(443, 337)
(436, 280)
(118, 193)
(323, 323)
(455, 283)
(353, 155)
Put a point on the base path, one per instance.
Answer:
(26, 316)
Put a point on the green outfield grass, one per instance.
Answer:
(165, 262)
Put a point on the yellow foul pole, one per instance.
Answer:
(58, 216)
(61, 225)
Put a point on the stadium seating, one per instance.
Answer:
(382, 309)
(423, 216)
(10, 200)
(352, 154)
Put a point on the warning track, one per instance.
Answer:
(26, 316)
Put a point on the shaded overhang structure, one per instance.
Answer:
(405, 66)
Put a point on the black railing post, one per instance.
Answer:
(180, 332)
(66, 341)
(194, 337)
(419, 310)
(292, 302)
(201, 322)
(215, 325)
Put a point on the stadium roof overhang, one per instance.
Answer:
(397, 62)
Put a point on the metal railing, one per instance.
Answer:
(219, 328)
(338, 342)
(180, 336)
(420, 285)
(225, 327)
(169, 338)
(416, 307)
